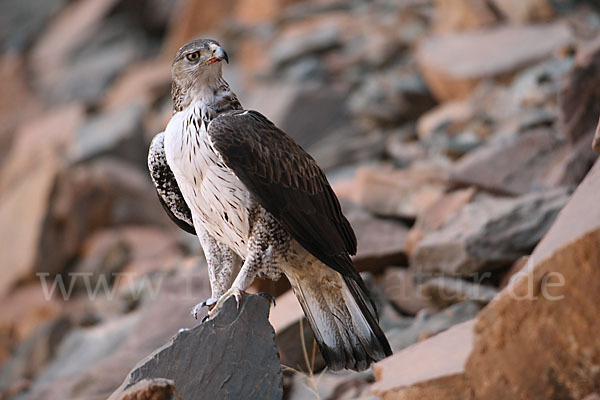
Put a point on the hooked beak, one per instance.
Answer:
(219, 55)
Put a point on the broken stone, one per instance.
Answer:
(574, 165)
(436, 215)
(326, 385)
(155, 389)
(523, 11)
(31, 356)
(444, 291)
(453, 65)
(23, 311)
(488, 233)
(23, 21)
(346, 145)
(193, 17)
(122, 195)
(431, 369)
(513, 165)
(23, 210)
(535, 313)
(82, 51)
(92, 362)
(302, 41)
(580, 95)
(140, 83)
(390, 98)
(398, 287)
(235, 340)
(380, 242)
(18, 105)
(428, 323)
(399, 192)
(50, 132)
(459, 15)
(118, 133)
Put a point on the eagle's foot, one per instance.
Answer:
(267, 296)
(210, 303)
(218, 304)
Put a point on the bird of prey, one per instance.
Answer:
(260, 206)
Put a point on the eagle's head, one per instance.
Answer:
(197, 65)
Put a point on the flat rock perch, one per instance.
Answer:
(232, 356)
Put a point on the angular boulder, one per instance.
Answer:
(488, 233)
(539, 338)
(454, 64)
(231, 356)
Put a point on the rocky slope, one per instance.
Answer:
(457, 134)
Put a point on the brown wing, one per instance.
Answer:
(288, 183)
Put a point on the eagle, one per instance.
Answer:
(260, 206)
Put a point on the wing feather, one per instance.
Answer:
(167, 189)
(288, 183)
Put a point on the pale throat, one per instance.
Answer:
(209, 97)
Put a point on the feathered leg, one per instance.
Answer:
(223, 267)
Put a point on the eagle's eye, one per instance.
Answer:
(193, 56)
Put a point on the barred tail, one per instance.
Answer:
(344, 325)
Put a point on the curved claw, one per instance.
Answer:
(206, 303)
(204, 318)
(267, 296)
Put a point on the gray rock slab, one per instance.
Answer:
(426, 324)
(488, 233)
(232, 356)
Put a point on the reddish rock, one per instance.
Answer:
(23, 310)
(155, 389)
(399, 192)
(31, 356)
(454, 64)
(66, 33)
(515, 165)
(141, 82)
(580, 94)
(23, 210)
(552, 305)
(192, 17)
(252, 13)
(398, 286)
(380, 242)
(453, 116)
(49, 133)
(92, 362)
(132, 251)
(576, 161)
(17, 103)
(431, 369)
(488, 233)
(436, 215)
(523, 11)
(122, 195)
(443, 291)
(460, 15)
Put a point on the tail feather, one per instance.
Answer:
(342, 318)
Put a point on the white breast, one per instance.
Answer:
(216, 197)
